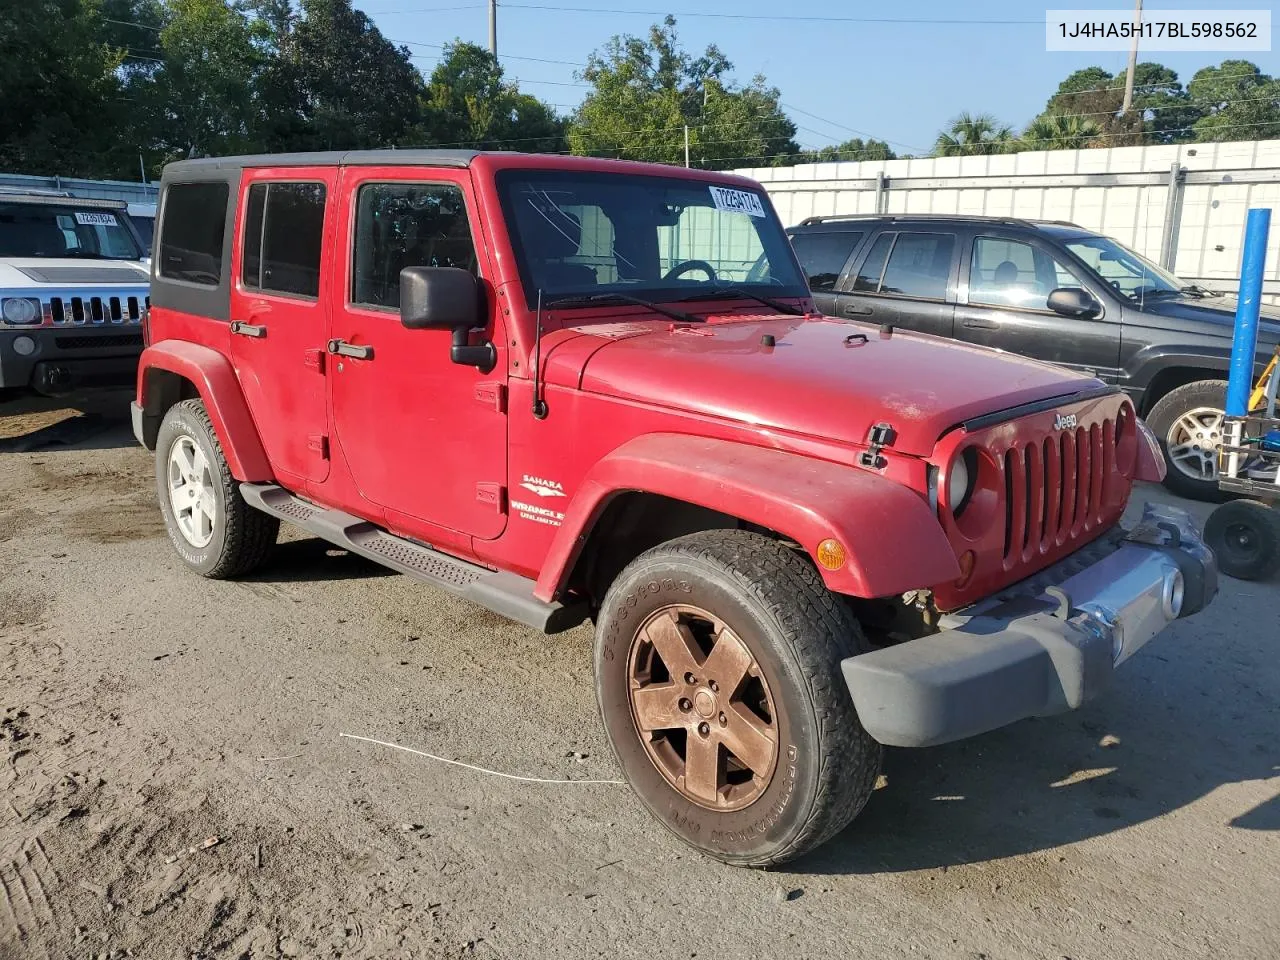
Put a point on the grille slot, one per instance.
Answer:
(1054, 489)
(97, 309)
(73, 342)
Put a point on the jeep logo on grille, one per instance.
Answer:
(1064, 421)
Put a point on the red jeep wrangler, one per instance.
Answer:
(567, 388)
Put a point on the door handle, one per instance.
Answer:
(344, 349)
(976, 324)
(853, 310)
(248, 329)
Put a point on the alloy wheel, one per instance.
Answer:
(1193, 440)
(191, 492)
(702, 708)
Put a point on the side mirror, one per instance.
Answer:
(1074, 302)
(439, 298)
(446, 298)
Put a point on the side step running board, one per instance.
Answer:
(503, 593)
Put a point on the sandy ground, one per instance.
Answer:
(146, 711)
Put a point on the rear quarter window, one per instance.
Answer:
(191, 232)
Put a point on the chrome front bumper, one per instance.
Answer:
(1040, 651)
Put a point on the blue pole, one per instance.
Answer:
(1245, 343)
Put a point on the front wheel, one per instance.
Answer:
(718, 675)
(215, 532)
(1189, 424)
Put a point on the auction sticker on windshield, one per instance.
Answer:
(737, 201)
(95, 219)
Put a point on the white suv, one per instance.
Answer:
(73, 294)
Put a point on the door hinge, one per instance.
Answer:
(492, 493)
(314, 358)
(492, 394)
(319, 443)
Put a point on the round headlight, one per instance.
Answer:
(960, 481)
(19, 311)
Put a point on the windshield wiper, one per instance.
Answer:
(745, 294)
(622, 298)
(1198, 291)
(85, 255)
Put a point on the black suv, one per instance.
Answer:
(1052, 291)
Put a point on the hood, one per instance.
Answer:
(1218, 312)
(48, 272)
(820, 378)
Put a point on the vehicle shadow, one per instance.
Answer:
(100, 423)
(1160, 740)
(310, 558)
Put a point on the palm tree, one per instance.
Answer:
(1055, 131)
(971, 135)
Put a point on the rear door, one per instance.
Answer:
(824, 255)
(278, 313)
(905, 277)
(1004, 304)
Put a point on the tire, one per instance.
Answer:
(1187, 477)
(239, 538)
(764, 598)
(1245, 537)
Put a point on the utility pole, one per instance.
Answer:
(493, 27)
(1133, 60)
(686, 145)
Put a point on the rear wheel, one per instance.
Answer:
(1189, 422)
(215, 532)
(718, 675)
(1245, 537)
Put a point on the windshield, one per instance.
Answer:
(51, 230)
(1131, 274)
(592, 235)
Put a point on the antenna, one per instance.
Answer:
(539, 405)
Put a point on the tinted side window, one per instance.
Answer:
(1010, 273)
(873, 266)
(195, 216)
(284, 226)
(402, 225)
(823, 256)
(919, 265)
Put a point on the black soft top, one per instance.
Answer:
(325, 158)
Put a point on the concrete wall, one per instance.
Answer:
(1196, 229)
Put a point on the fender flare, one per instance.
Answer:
(215, 380)
(893, 541)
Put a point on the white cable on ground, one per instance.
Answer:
(469, 766)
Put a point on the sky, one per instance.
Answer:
(896, 81)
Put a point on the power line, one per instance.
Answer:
(924, 21)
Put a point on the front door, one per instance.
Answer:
(423, 437)
(278, 313)
(1009, 282)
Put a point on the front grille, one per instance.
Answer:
(96, 309)
(1054, 489)
(90, 342)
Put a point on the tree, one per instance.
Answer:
(1053, 131)
(201, 100)
(335, 82)
(470, 104)
(1096, 95)
(59, 90)
(851, 150)
(1237, 102)
(974, 135)
(646, 90)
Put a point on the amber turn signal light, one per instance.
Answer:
(831, 554)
